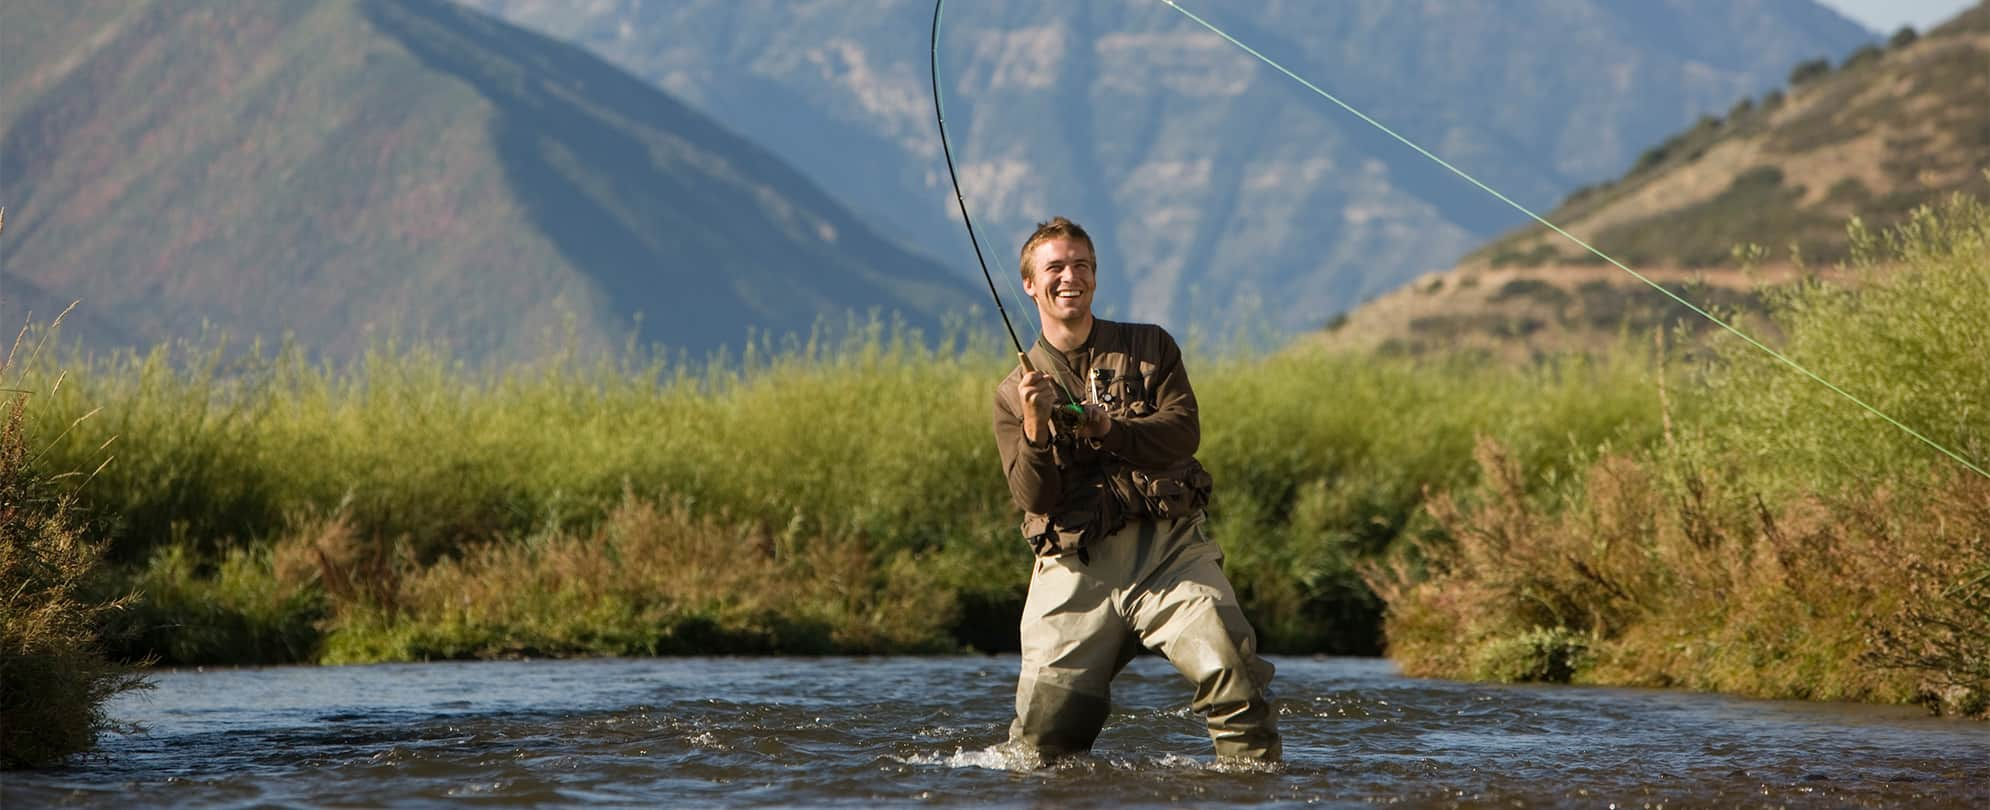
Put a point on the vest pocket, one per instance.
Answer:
(1175, 492)
(1093, 514)
(1047, 539)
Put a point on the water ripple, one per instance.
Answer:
(929, 731)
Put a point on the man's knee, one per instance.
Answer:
(1054, 719)
(1208, 647)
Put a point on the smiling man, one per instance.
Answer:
(1112, 498)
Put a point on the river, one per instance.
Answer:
(867, 732)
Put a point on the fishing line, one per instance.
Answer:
(1571, 237)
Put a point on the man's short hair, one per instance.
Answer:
(1056, 228)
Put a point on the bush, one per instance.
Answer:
(235, 610)
(1543, 654)
(53, 679)
(1907, 338)
(1809, 71)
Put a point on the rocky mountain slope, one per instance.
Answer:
(1770, 186)
(348, 170)
(1223, 194)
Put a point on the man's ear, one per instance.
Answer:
(1029, 285)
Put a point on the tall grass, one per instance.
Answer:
(1324, 460)
(54, 678)
(877, 440)
(1780, 541)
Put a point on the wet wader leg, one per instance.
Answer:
(1191, 615)
(1073, 643)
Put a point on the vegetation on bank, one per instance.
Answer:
(54, 678)
(1731, 525)
(1785, 543)
(271, 509)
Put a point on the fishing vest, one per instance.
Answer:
(1101, 493)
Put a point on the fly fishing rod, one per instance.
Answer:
(940, 117)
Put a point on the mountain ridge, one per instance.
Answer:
(1722, 209)
(349, 171)
(1220, 192)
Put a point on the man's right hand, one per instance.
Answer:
(1039, 399)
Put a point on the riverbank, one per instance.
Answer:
(842, 496)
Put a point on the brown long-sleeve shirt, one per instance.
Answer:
(1062, 482)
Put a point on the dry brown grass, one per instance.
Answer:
(1671, 576)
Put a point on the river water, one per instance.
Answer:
(867, 732)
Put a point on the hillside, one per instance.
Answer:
(1887, 130)
(352, 170)
(1222, 194)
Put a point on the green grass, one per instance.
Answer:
(226, 463)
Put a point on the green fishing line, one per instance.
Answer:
(1571, 237)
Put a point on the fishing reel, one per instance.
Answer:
(1067, 418)
(1070, 417)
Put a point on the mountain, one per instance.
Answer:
(1886, 131)
(349, 170)
(1221, 193)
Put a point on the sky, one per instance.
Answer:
(1886, 16)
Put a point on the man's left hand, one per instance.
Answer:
(1097, 424)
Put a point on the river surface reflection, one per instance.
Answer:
(865, 732)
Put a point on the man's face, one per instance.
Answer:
(1063, 279)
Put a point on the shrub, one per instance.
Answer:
(235, 610)
(53, 679)
(1544, 654)
(1809, 71)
